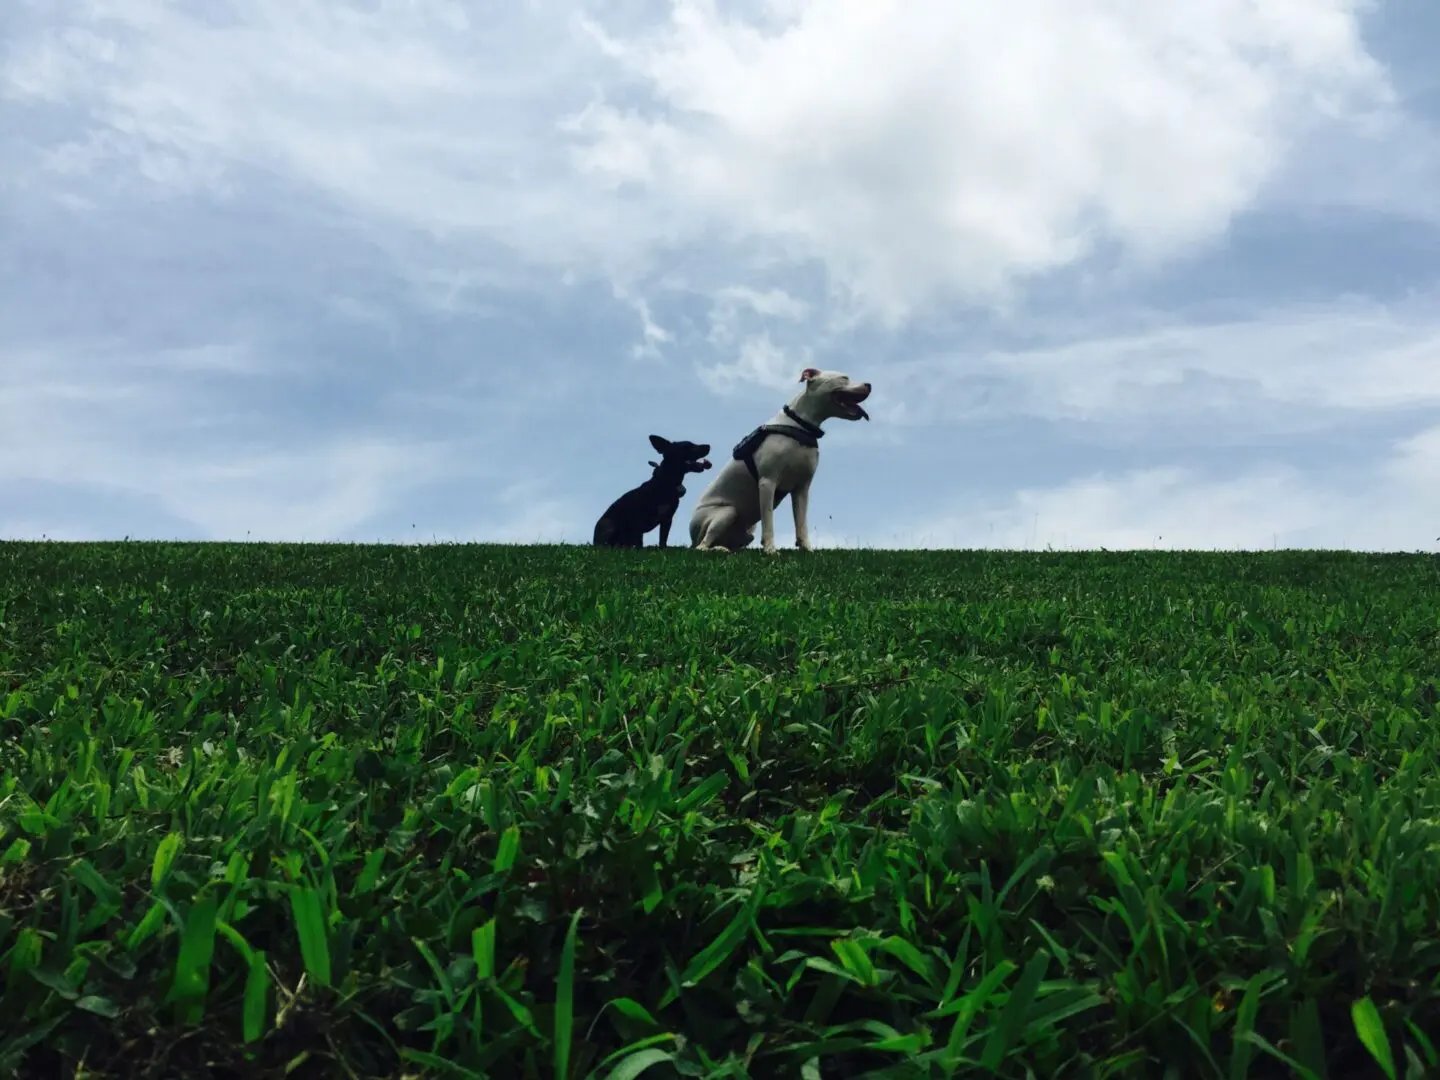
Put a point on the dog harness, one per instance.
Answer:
(807, 434)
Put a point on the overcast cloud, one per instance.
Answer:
(1122, 274)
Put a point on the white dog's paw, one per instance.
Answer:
(804, 546)
(771, 550)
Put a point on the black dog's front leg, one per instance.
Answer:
(665, 529)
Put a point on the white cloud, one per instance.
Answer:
(143, 437)
(420, 114)
(164, 427)
(1268, 372)
(946, 152)
(320, 492)
(958, 148)
(652, 334)
(737, 306)
(528, 515)
(549, 521)
(1392, 505)
(758, 361)
(27, 528)
(768, 183)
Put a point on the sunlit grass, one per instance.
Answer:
(470, 811)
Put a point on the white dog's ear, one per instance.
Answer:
(808, 374)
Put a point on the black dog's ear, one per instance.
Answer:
(662, 445)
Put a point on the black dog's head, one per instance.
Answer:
(684, 457)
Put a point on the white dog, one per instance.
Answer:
(775, 460)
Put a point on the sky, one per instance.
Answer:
(1122, 274)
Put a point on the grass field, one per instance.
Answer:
(467, 811)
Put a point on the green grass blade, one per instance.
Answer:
(1371, 1031)
(192, 967)
(257, 991)
(565, 1001)
(636, 1063)
(482, 949)
(1012, 1017)
(310, 930)
(165, 856)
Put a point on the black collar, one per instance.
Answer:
(813, 429)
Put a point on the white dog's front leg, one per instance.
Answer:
(800, 502)
(767, 516)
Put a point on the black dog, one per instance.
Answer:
(655, 501)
